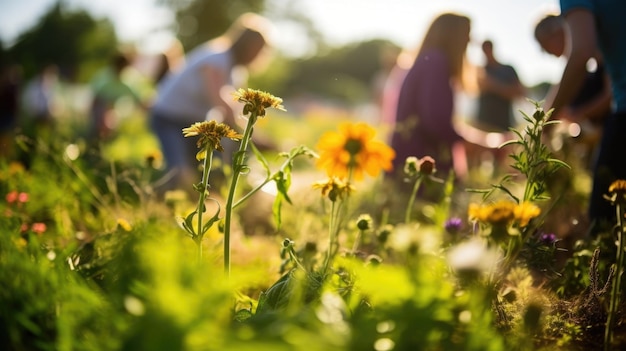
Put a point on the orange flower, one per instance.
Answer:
(353, 149)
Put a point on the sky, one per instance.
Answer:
(508, 23)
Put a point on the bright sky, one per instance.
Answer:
(509, 23)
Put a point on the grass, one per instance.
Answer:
(114, 269)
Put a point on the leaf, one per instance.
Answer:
(510, 142)
(213, 219)
(242, 315)
(559, 163)
(188, 222)
(201, 155)
(283, 182)
(261, 159)
(276, 295)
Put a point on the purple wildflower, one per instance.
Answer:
(547, 238)
(453, 225)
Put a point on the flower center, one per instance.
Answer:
(353, 146)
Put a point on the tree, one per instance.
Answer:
(74, 41)
(344, 74)
(200, 20)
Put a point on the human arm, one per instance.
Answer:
(215, 79)
(509, 90)
(595, 109)
(581, 36)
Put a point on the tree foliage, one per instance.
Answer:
(72, 40)
(344, 74)
(200, 20)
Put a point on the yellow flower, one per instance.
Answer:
(352, 148)
(617, 192)
(618, 186)
(124, 224)
(526, 211)
(504, 212)
(501, 212)
(257, 101)
(334, 188)
(211, 134)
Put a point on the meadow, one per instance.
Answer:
(309, 248)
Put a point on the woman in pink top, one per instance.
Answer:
(423, 125)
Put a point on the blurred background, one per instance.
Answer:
(329, 56)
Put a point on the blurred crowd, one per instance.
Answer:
(417, 92)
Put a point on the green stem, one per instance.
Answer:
(617, 280)
(252, 192)
(238, 163)
(208, 160)
(409, 208)
(331, 237)
(258, 187)
(357, 241)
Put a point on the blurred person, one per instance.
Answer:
(391, 88)
(425, 111)
(169, 61)
(10, 85)
(593, 25)
(499, 87)
(592, 104)
(39, 102)
(200, 90)
(108, 87)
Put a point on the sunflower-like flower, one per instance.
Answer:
(334, 188)
(499, 213)
(353, 148)
(211, 134)
(257, 101)
(617, 192)
(525, 212)
(504, 213)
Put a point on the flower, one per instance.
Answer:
(124, 224)
(427, 165)
(22, 197)
(211, 134)
(38, 228)
(453, 225)
(501, 212)
(364, 222)
(617, 191)
(473, 257)
(504, 212)
(257, 101)
(524, 212)
(12, 197)
(547, 238)
(334, 188)
(411, 166)
(352, 149)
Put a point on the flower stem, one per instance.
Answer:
(208, 160)
(331, 237)
(409, 208)
(617, 280)
(238, 164)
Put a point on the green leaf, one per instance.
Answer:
(213, 219)
(277, 295)
(559, 163)
(242, 315)
(261, 159)
(188, 222)
(283, 182)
